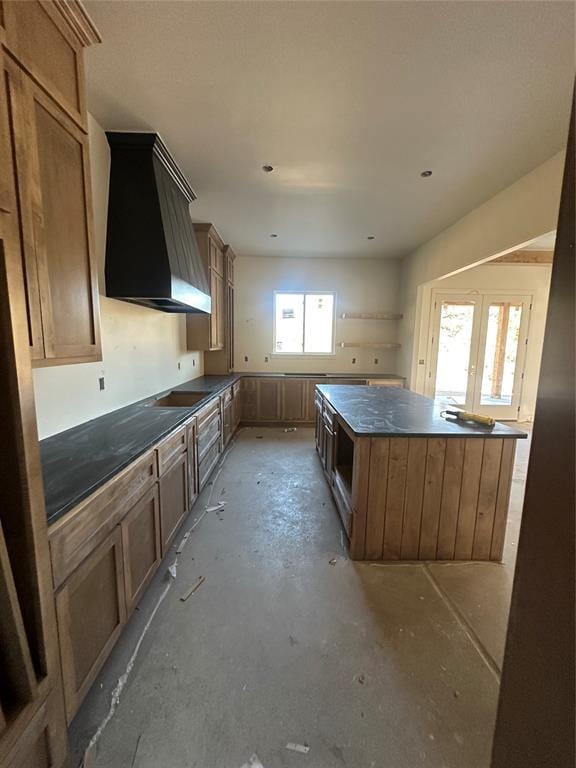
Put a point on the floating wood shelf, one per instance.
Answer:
(368, 344)
(371, 316)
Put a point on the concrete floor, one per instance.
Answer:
(287, 640)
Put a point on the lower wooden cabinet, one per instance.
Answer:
(42, 743)
(173, 499)
(268, 399)
(91, 610)
(141, 545)
(293, 400)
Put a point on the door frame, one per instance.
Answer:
(479, 327)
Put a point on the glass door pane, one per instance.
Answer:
(501, 353)
(503, 349)
(454, 351)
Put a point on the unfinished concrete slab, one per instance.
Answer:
(288, 641)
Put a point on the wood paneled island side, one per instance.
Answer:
(409, 484)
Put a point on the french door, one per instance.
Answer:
(477, 351)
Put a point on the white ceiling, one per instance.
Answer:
(349, 101)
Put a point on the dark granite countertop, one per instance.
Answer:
(79, 460)
(390, 412)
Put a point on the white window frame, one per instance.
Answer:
(332, 353)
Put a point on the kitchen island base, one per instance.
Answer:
(417, 497)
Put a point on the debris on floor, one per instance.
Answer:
(290, 429)
(135, 755)
(253, 762)
(302, 748)
(216, 507)
(183, 542)
(199, 581)
(333, 561)
(361, 678)
(172, 570)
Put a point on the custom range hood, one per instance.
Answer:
(152, 257)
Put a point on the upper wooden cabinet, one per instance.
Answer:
(215, 333)
(206, 332)
(47, 38)
(43, 100)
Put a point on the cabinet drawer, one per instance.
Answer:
(207, 413)
(210, 435)
(91, 611)
(227, 396)
(329, 414)
(75, 535)
(173, 445)
(208, 463)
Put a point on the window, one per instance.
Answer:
(303, 323)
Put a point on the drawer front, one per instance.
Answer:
(207, 413)
(171, 447)
(329, 415)
(209, 434)
(74, 536)
(208, 463)
(227, 396)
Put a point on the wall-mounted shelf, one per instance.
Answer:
(368, 345)
(371, 316)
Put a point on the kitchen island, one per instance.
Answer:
(410, 484)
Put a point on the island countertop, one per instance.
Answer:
(389, 412)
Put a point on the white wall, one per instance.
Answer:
(141, 347)
(361, 285)
(532, 280)
(514, 217)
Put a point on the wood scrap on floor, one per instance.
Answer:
(199, 581)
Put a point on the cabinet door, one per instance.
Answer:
(7, 193)
(227, 427)
(61, 234)
(91, 611)
(268, 399)
(141, 545)
(229, 327)
(217, 316)
(173, 499)
(192, 465)
(26, 202)
(294, 399)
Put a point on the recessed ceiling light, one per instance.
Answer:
(426, 174)
(267, 168)
(370, 237)
(273, 235)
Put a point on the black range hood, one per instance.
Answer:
(152, 257)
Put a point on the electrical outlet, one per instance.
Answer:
(193, 362)
(245, 358)
(375, 361)
(101, 383)
(179, 366)
(353, 361)
(265, 358)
